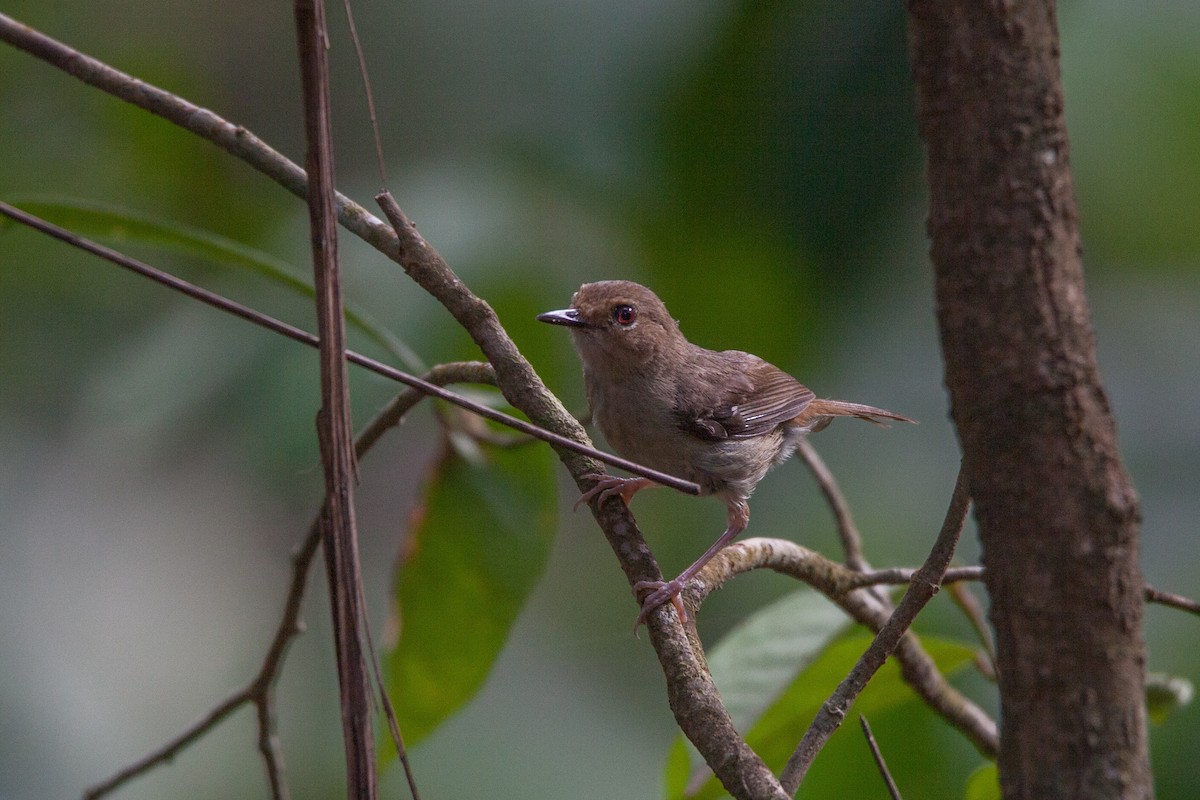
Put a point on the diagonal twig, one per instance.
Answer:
(901, 575)
(844, 587)
(169, 750)
(924, 585)
(971, 608)
(852, 548)
(917, 667)
(1173, 600)
(304, 337)
(234, 139)
(893, 790)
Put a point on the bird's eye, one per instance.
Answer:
(624, 315)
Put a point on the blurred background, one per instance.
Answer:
(755, 163)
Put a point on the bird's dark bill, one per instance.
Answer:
(564, 316)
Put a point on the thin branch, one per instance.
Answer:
(269, 747)
(902, 575)
(389, 713)
(852, 548)
(893, 790)
(261, 689)
(852, 542)
(1173, 600)
(304, 337)
(334, 427)
(955, 575)
(924, 586)
(916, 666)
(366, 79)
(169, 750)
(832, 579)
(234, 139)
(844, 587)
(969, 604)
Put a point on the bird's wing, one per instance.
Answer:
(757, 398)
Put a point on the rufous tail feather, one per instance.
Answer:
(838, 408)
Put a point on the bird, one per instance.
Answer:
(719, 419)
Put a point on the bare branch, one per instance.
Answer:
(234, 139)
(172, 748)
(871, 609)
(1173, 600)
(973, 611)
(900, 575)
(852, 547)
(269, 747)
(893, 790)
(366, 79)
(924, 586)
(916, 666)
(844, 587)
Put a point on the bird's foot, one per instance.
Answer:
(612, 486)
(660, 592)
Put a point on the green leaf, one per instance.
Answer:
(791, 707)
(758, 658)
(115, 226)
(1166, 694)
(678, 768)
(476, 545)
(983, 784)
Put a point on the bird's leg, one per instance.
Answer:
(739, 517)
(610, 486)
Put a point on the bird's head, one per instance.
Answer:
(617, 325)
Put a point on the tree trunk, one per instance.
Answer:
(1057, 514)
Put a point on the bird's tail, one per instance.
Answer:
(820, 413)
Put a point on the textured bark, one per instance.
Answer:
(1057, 514)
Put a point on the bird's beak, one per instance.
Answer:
(564, 316)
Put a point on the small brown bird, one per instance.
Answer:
(721, 420)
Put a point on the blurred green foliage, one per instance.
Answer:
(756, 163)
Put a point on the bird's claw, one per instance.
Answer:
(660, 592)
(610, 486)
(604, 486)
